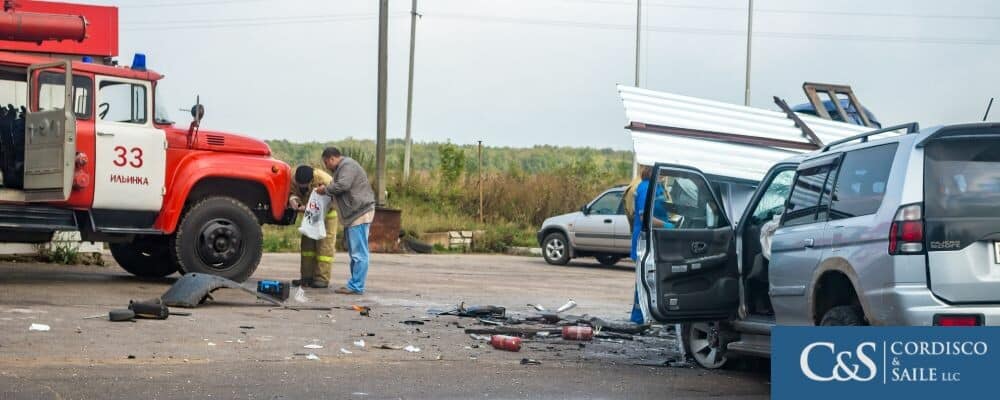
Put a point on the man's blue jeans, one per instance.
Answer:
(357, 246)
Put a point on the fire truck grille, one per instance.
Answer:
(215, 140)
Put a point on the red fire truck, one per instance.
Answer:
(86, 145)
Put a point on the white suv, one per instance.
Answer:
(903, 230)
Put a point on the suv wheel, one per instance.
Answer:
(555, 248)
(843, 316)
(608, 260)
(147, 257)
(219, 236)
(704, 342)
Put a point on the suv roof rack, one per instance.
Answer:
(911, 127)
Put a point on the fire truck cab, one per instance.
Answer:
(87, 145)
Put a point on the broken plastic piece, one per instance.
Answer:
(148, 310)
(39, 327)
(566, 307)
(529, 361)
(412, 349)
(365, 311)
(390, 347)
(121, 315)
(481, 311)
(537, 307)
(346, 351)
(360, 343)
(311, 356)
(300, 295)
(313, 346)
(192, 289)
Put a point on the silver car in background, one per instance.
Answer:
(602, 230)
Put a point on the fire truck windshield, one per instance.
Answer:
(160, 115)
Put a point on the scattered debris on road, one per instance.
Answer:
(121, 315)
(300, 295)
(194, 289)
(585, 333)
(508, 343)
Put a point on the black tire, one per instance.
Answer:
(843, 316)
(608, 260)
(555, 249)
(219, 236)
(417, 246)
(147, 257)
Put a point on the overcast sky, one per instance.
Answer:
(526, 72)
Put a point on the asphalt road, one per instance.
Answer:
(238, 348)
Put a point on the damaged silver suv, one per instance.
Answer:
(876, 229)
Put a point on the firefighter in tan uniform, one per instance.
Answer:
(317, 255)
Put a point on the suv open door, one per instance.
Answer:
(50, 140)
(688, 271)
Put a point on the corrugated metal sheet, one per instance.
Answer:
(718, 157)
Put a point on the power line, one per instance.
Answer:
(256, 22)
(721, 32)
(880, 14)
(242, 19)
(787, 11)
(192, 3)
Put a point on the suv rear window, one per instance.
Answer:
(962, 178)
(861, 181)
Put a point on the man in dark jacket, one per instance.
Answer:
(356, 208)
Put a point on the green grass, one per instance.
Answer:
(281, 239)
(521, 187)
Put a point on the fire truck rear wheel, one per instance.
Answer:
(219, 236)
(145, 257)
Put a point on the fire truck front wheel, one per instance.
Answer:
(145, 257)
(219, 236)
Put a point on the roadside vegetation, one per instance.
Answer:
(521, 186)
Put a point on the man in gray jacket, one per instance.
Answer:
(356, 208)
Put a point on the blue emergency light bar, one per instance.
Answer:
(139, 62)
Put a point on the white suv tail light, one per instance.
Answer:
(907, 233)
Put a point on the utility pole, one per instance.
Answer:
(408, 143)
(746, 93)
(638, 37)
(383, 33)
(481, 220)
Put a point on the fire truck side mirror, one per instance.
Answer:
(197, 112)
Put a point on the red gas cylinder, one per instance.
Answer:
(508, 343)
(577, 333)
